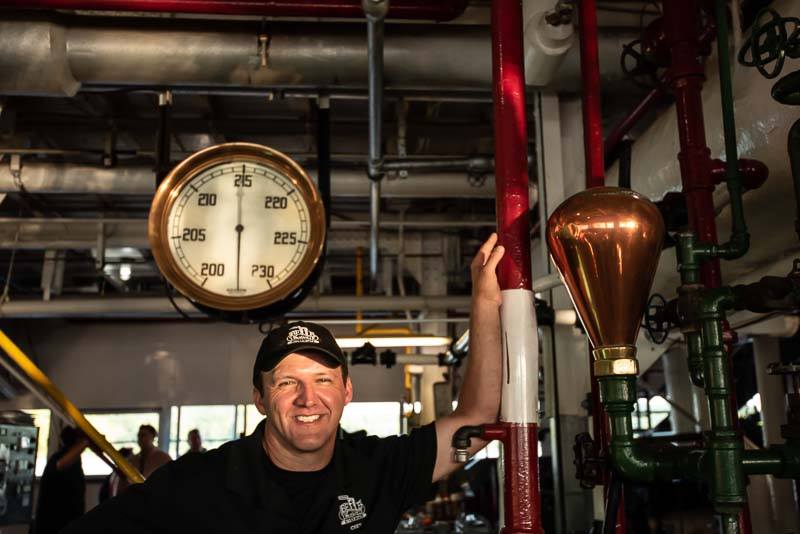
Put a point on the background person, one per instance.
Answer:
(62, 488)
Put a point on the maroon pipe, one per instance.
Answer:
(510, 145)
(522, 505)
(440, 10)
(590, 80)
(595, 177)
(685, 41)
(686, 77)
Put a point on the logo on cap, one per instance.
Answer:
(301, 334)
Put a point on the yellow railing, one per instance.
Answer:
(29, 374)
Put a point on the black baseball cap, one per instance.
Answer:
(295, 337)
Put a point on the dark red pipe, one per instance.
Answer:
(522, 503)
(510, 145)
(686, 77)
(520, 515)
(440, 10)
(753, 172)
(595, 177)
(685, 42)
(590, 74)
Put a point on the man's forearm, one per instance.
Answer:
(479, 398)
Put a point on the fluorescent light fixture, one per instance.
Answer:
(394, 341)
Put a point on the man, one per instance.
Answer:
(293, 474)
(62, 489)
(195, 441)
(149, 457)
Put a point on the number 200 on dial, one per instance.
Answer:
(237, 226)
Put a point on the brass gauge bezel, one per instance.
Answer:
(169, 192)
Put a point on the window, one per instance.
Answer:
(649, 413)
(120, 429)
(41, 419)
(377, 418)
(216, 423)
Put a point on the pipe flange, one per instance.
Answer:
(618, 367)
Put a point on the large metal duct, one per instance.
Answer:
(48, 57)
(55, 178)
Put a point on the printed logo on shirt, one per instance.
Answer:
(351, 510)
(301, 334)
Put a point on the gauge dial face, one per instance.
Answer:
(239, 231)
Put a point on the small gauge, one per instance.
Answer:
(237, 226)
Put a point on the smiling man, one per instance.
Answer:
(295, 473)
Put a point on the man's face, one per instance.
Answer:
(195, 443)
(303, 400)
(145, 439)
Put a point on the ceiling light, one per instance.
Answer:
(394, 341)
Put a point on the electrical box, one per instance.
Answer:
(18, 442)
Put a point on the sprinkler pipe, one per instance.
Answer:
(517, 427)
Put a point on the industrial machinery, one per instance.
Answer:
(18, 444)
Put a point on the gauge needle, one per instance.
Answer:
(239, 227)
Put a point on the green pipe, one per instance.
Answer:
(794, 158)
(694, 345)
(724, 446)
(739, 242)
(618, 394)
(781, 461)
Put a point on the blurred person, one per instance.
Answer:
(195, 442)
(149, 458)
(62, 488)
(110, 486)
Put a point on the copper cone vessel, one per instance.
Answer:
(606, 242)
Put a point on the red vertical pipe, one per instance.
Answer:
(595, 177)
(590, 80)
(684, 39)
(521, 500)
(510, 145)
(686, 77)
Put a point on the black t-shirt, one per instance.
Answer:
(62, 495)
(369, 483)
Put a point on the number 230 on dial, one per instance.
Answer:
(237, 226)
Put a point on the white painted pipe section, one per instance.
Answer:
(762, 128)
(61, 178)
(520, 345)
(545, 45)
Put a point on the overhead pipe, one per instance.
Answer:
(517, 429)
(441, 10)
(73, 178)
(228, 58)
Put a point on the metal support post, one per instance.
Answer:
(375, 11)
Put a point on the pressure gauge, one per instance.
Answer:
(237, 226)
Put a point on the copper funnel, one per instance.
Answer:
(605, 242)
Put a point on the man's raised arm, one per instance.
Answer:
(479, 399)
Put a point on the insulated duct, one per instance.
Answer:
(156, 54)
